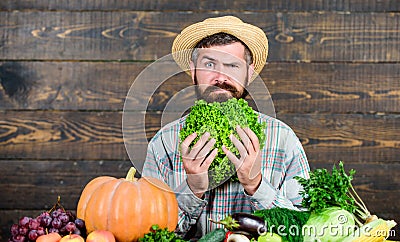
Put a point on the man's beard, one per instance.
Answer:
(210, 96)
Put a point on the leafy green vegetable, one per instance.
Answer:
(324, 189)
(157, 234)
(220, 120)
(269, 237)
(217, 235)
(290, 220)
(329, 224)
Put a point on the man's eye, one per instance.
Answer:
(209, 64)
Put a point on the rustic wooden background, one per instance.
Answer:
(66, 66)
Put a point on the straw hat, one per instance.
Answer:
(252, 36)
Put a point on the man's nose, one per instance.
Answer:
(220, 76)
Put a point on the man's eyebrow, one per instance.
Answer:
(208, 58)
(235, 63)
(224, 63)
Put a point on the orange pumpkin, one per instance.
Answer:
(127, 207)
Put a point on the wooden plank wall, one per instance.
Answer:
(66, 66)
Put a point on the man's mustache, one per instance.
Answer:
(218, 86)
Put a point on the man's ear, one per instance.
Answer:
(192, 70)
(250, 71)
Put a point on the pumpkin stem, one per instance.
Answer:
(131, 174)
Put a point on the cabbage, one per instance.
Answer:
(328, 225)
(269, 237)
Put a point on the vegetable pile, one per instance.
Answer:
(334, 203)
(334, 212)
(109, 209)
(220, 120)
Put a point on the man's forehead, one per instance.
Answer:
(222, 55)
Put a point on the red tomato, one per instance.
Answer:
(227, 235)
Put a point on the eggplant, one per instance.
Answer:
(244, 223)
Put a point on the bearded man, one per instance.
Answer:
(223, 56)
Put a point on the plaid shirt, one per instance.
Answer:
(283, 158)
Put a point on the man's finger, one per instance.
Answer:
(210, 158)
(199, 144)
(253, 138)
(206, 149)
(245, 138)
(185, 144)
(232, 157)
(239, 145)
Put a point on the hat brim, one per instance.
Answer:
(252, 36)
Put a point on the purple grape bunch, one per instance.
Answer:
(57, 220)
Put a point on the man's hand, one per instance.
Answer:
(197, 160)
(248, 166)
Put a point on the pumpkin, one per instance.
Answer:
(127, 207)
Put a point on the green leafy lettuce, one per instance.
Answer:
(220, 120)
